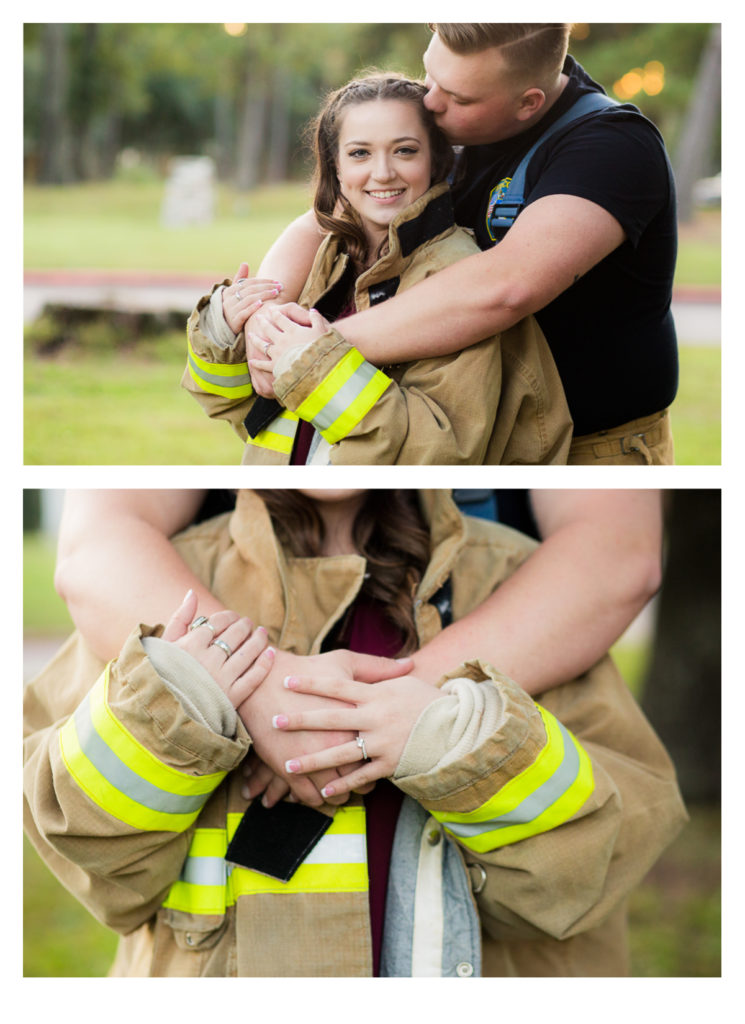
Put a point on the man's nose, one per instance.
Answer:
(434, 98)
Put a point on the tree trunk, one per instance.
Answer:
(682, 690)
(698, 128)
(279, 128)
(55, 143)
(251, 132)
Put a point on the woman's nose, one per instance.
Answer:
(383, 169)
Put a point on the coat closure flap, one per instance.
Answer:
(303, 596)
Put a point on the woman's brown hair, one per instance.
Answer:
(388, 532)
(332, 210)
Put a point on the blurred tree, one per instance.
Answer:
(682, 689)
(55, 142)
(700, 126)
(170, 89)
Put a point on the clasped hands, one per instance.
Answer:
(271, 327)
(304, 713)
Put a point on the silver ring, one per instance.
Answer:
(267, 346)
(202, 620)
(361, 744)
(238, 295)
(222, 645)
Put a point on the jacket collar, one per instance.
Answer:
(304, 597)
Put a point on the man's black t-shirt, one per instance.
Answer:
(611, 333)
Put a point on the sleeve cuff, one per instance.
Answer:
(192, 685)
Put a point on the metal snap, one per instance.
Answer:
(464, 969)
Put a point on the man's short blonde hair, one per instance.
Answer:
(531, 52)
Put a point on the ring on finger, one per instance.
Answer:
(202, 620)
(222, 645)
(360, 741)
(267, 346)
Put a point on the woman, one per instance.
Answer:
(496, 806)
(382, 198)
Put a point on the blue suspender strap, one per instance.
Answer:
(506, 203)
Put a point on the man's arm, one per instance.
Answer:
(116, 565)
(597, 567)
(553, 242)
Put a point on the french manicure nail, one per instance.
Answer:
(279, 721)
(328, 791)
(289, 682)
(292, 766)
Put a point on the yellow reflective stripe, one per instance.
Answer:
(336, 379)
(197, 899)
(543, 796)
(352, 381)
(124, 778)
(358, 409)
(279, 436)
(209, 845)
(108, 797)
(230, 380)
(137, 757)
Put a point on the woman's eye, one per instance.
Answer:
(357, 153)
(407, 151)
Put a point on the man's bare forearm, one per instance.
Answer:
(116, 565)
(560, 612)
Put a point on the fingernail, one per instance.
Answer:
(328, 791)
(246, 793)
(290, 683)
(280, 721)
(265, 801)
(270, 652)
(188, 594)
(292, 766)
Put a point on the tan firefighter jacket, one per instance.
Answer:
(500, 401)
(513, 859)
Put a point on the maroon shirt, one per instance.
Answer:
(369, 632)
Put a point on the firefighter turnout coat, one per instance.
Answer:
(512, 856)
(500, 401)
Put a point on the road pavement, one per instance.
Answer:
(697, 312)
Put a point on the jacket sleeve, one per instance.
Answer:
(556, 819)
(432, 411)
(114, 787)
(217, 375)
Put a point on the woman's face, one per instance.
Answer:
(384, 161)
(332, 495)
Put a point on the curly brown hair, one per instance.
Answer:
(389, 532)
(332, 210)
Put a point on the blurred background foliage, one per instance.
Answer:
(102, 99)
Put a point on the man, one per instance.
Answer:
(591, 254)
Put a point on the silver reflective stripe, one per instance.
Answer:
(344, 397)
(115, 771)
(204, 871)
(535, 804)
(225, 381)
(283, 425)
(338, 849)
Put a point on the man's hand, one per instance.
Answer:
(276, 748)
(258, 342)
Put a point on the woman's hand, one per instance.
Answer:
(383, 716)
(244, 296)
(275, 331)
(238, 670)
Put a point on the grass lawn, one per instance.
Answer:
(129, 410)
(119, 410)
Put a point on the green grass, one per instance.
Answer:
(696, 412)
(116, 225)
(130, 410)
(119, 410)
(112, 225)
(44, 612)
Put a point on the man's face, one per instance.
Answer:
(470, 95)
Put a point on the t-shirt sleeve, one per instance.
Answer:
(617, 162)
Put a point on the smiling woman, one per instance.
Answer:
(382, 199)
